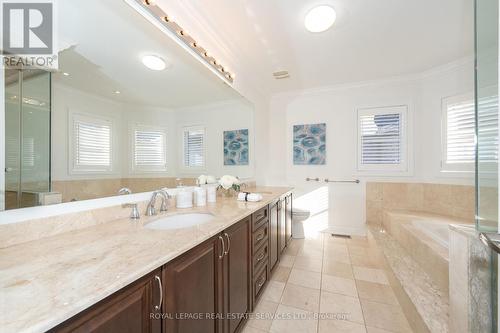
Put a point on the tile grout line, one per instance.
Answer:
(321, 280)
(357, 291)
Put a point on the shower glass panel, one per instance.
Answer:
(27, 137)
(486, 96)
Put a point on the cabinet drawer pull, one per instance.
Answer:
(158, 307)
(223, 247)
(260, 237)
(261, 282)
(261, 257)
(228, 243)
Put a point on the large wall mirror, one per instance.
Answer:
(106, 121)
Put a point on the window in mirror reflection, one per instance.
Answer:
(150, 149)
(194, 148)
(92, 144)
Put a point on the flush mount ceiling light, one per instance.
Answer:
(320, 18)
(153, 13)
(154, 62)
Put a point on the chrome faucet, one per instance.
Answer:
(150, 210)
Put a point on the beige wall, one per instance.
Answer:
(451, 200)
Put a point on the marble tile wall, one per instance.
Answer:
(471, 292)
(98, 188)
(451, 200)
(85, 189)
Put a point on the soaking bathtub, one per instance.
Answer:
(426, 238)
(437, 230)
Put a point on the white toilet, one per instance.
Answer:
(299, 216)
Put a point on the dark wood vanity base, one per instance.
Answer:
(209, 289)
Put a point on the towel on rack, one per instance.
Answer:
(252, 197)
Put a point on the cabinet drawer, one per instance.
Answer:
(260, 258)
(260, 237)
(259, 218)
(260, 282)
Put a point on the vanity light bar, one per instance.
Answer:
(162, 18)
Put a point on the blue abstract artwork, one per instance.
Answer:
(236, 147)
(309, 144)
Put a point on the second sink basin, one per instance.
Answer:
(180, 221)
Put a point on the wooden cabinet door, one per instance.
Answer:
(282, 225)
(193, 290)
(130, 310)
(273, 235)
(288, 217)
(237, 274)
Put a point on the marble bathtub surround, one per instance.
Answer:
(299, 285)
(429, 254)
(77, 262)
(470, 281)
(450, 200)
(424, 303)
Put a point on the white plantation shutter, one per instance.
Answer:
(28, 152)
(194, 147)
(488, 129)
(150, 151)
(460, 122)
(381, 140)
(92, 144)
(459, 132)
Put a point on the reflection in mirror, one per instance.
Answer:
(106, 120)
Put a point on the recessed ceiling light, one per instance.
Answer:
(154, 62)
(320, 18)
(118, 92)
(66, 74)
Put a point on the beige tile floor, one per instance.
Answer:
(342, 280)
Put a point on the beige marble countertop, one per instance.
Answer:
(46, 281)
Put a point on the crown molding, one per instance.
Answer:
(438, 70)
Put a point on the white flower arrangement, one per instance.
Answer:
(228, 182)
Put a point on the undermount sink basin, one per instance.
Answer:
(180, 221)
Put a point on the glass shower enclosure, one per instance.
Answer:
(27, 137)
(487, 114)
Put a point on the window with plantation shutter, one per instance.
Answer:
(91, 144)
(382, 144)
(150, 149)
(194, 147)
(459, 132)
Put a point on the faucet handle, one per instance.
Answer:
(134, 215)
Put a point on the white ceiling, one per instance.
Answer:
(104, 42)
(370, 40)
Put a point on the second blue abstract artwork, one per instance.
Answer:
(236, 147)
(309, 144)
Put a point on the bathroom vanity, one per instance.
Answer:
(120, 276)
